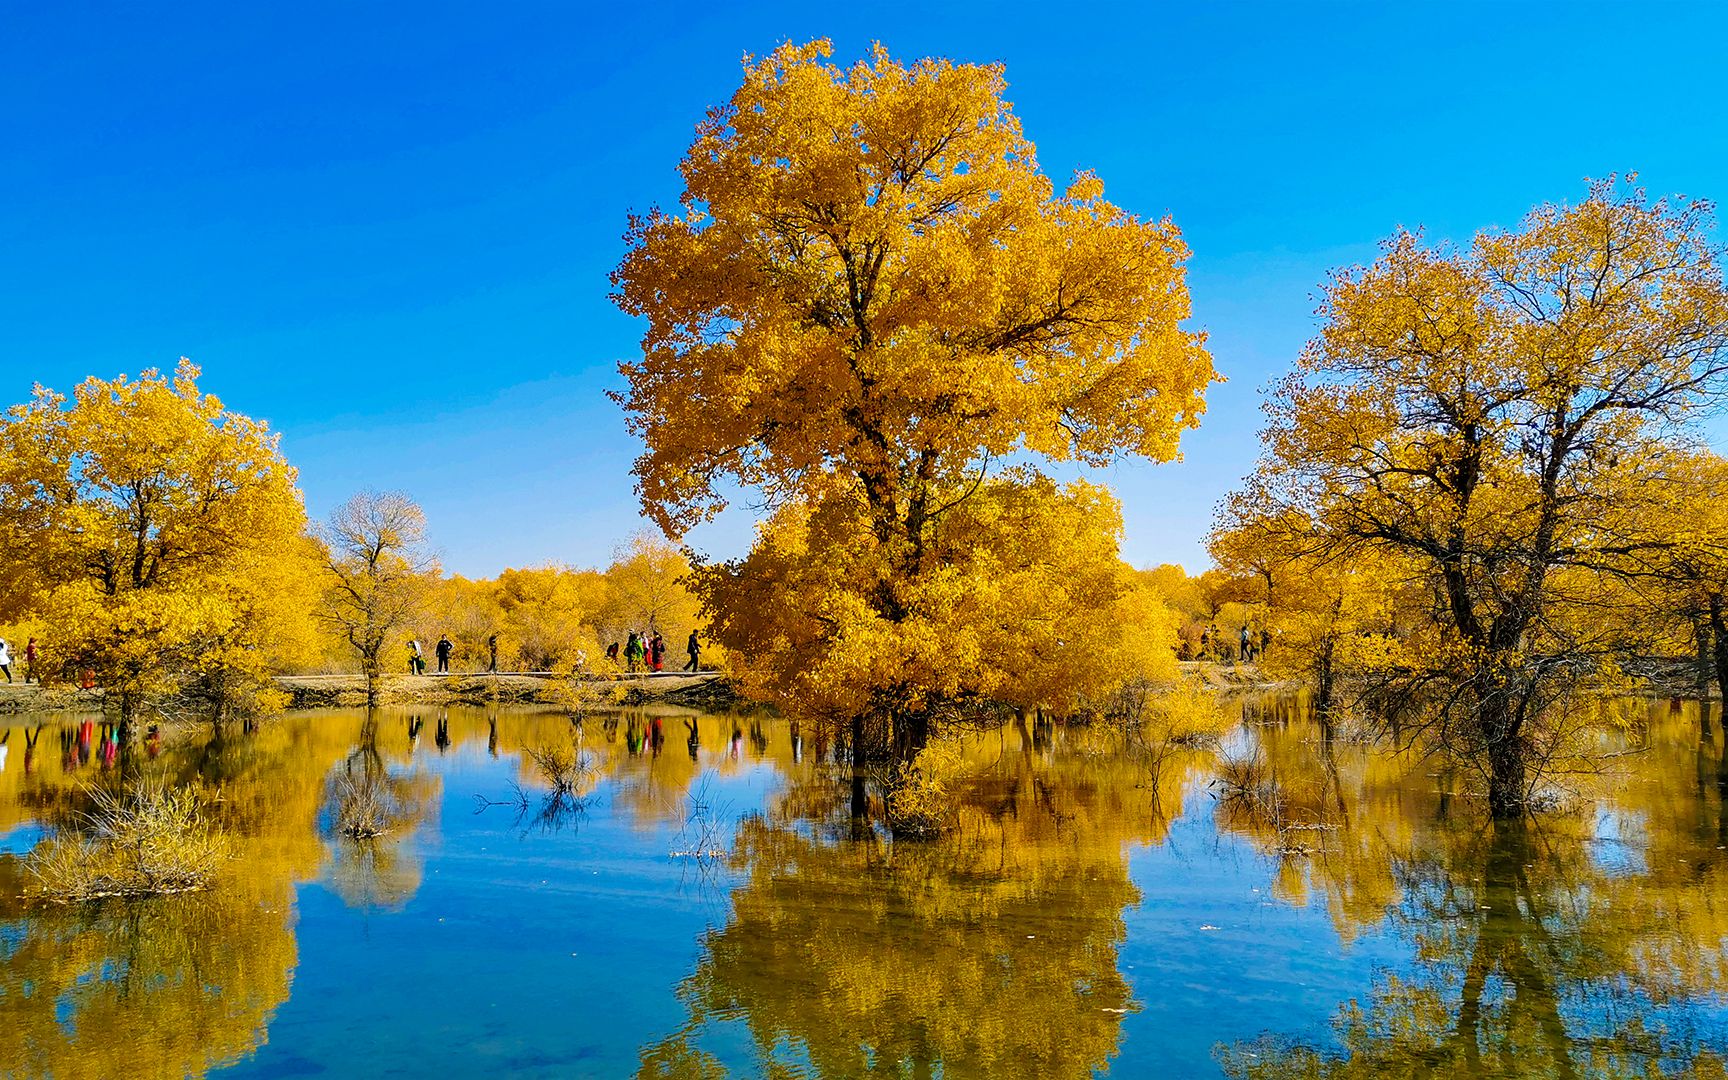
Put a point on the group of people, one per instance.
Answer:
(1250, 646)
(29, 660)
(417, 660)
(642, 652)
(647, 652)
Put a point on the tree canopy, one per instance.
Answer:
(144, 521)
(1498, 424)
(869, 296)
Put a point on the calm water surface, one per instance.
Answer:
(705, 906)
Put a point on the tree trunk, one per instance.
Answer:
(1508, 787)
(1719, 643)
(219, 712)
(128, 710)
(911, 735)
(369, 667)
(860, 800)
(1323, 680)
(1500, 730)
(1701, 668)
(1508, 797)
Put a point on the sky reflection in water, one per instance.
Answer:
(710, 909)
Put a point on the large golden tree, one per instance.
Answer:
(146, 528)
(870, 294)
(1502, 423)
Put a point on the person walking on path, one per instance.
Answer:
(416, 665)
(5, 659)
(1246, 649)
(694, 648)
(444, 648)
(657, 650)
(633, 651)
(492, 651)
(30, 662)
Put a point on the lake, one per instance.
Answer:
(699, 901)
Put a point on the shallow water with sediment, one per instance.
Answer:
(666, 892)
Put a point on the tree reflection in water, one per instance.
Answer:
(1590, 943)
(991, 952)
(919, 967)
(1587, 944)
(369, 810)
(168, 987)
(179, 985)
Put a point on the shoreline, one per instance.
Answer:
(709, 689)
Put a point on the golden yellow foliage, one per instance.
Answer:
(549, 616)
(1025, 602)
(1684, 591)
(647, 588)
(870, 295)
(150, 527)
(1498, 421)
(561, 618)
(870, 275)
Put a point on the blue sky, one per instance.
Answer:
(387, 228)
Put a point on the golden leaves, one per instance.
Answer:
(871, 276)
(155, 530)
(871, 293)
(1022, 600)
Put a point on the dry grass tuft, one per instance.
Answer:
(367, 806)
(151, 842)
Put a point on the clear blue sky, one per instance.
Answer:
(387, 228)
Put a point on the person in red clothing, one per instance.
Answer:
(30, 662)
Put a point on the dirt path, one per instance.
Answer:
(522, 687)
(709, 688)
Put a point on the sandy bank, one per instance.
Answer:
(523, 688)
(19, 697)
(1235, 678)
(707, 690)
